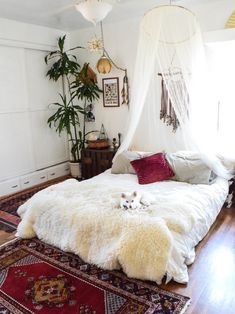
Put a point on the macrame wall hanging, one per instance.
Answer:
(167, 112)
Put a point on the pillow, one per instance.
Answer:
(190, 168)
(152, 169)
(121, 164)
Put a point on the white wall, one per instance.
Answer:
(121, 43)
(26, 142)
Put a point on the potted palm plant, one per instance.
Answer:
(64, 65)
(77, 84)
(86, 90)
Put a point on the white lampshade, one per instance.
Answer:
(94, 10)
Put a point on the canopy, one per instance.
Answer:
(171, 53)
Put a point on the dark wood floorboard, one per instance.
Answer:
(6, 236)
(212, 276)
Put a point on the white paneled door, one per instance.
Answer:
(16, 145)
(41, 90)
(13, 89)
(49, 147)
(27, 143)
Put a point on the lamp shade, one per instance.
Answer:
(104, 65)
(94, 10)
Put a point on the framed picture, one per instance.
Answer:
(111, 92)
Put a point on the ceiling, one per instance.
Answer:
(61, 14)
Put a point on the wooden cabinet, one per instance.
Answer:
(96, 161)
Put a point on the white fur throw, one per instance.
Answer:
(84, 218)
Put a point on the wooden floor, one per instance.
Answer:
(212, 276)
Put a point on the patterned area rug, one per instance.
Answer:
(38, 278)
(9, 219)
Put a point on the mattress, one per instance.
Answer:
(208, 199)
(84, 218)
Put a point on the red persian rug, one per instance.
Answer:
(9, 219)
(38, 278)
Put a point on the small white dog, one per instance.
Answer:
(133, 201)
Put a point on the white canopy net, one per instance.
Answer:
(171, 82)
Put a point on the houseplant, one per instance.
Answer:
(85, 89)
(77, 84)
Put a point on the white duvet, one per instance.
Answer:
(84, 218)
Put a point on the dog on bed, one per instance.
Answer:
(133, 200)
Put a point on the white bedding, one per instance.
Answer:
(84, 218)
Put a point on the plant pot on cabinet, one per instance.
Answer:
(75, 169)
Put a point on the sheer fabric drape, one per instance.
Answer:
(170, 44)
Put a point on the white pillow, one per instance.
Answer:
(122, 165)
(189, 167)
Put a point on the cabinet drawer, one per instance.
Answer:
(9, 187)
(33, 179)
(58, 171)
(41, 176)
(27, 181)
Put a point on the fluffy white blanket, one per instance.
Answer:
(84, 218)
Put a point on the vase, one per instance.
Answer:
(75, 169)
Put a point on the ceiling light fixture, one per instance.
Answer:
(94, 10)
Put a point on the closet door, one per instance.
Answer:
(49, 148)
(16, 155)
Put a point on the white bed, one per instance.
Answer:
(84, 218)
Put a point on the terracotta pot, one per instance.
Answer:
(75, 169)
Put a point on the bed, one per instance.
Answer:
(150, 243)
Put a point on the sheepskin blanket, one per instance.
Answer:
(84, 218)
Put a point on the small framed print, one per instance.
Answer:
(111, 92)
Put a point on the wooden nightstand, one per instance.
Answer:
(96, 161)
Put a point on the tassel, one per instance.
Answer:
(125, 90)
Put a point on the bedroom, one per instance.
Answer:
(33, 154)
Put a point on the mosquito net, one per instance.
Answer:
(172, 101)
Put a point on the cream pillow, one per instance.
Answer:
(122, 164)
(190, 168)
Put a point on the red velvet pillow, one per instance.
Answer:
(152, 168)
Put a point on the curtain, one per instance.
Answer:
(170, 43)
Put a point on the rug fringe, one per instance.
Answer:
(186, 307)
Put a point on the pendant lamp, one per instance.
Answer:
(104, 65)
(94, 10)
